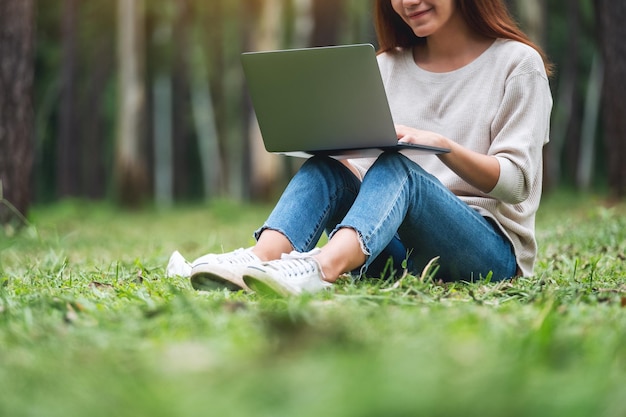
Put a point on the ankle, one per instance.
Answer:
(265, 255)
(271, 245)
(331, 271)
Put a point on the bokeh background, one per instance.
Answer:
(144, 100)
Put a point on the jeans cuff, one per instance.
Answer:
(365, 250)
(265, 227)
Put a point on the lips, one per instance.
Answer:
(418, 14)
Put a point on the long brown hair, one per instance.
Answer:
(489, 18)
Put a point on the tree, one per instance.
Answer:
(68, 144)
(181, 127)
(16, 106)
(130, 159)
(566, 114)
(261, 168)
(327, 17)
(97, 65)
(612, 32)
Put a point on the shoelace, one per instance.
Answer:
(238, 256)
(297, 264)
(291, 268)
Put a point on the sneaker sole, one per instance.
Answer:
(211, 277)
(263, 288)
(205, 281)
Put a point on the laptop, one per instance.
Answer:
(323, 101)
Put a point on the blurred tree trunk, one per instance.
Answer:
(589, 129)
(512, 6)
(16, 106)
(94, 124)
(182, 144)
(611, 17)
(327, 18)
(216, 68)
(204, 121)
(533, 15)
(360, 26)
(303, 21)
(130, 157)
(566, 115)
(69, 146)
(163, 171)
(159, 105)
(261, 167)
(215, 56)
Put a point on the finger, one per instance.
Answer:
(401, 131)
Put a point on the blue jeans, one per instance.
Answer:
(399, 211)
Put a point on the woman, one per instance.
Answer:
(459, 74)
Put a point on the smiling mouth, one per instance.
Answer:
(417, 15)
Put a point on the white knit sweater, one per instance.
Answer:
(499, 105)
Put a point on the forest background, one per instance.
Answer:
(139, 101)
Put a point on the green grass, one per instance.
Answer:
(89, 326)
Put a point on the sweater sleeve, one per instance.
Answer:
(520, 129)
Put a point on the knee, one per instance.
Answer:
(326, 170)
(394, 158)
(318, 163)
(324, 165)
(396, 161)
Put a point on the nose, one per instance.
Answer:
(410, 4)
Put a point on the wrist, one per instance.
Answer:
(444, 142)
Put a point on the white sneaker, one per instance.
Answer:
(217, 271)
(293, 274)
(177, 266)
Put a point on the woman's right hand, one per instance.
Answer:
(420, 137)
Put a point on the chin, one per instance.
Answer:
(422, 31)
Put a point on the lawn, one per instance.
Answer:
(90, 326)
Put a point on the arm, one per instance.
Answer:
(478, 170)
(520, 128)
